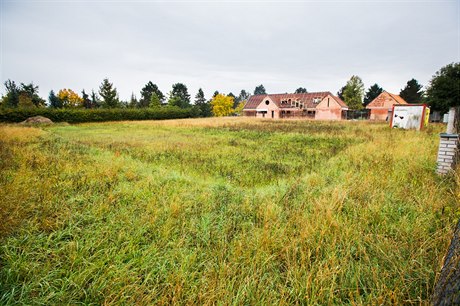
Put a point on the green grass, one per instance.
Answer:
(222, 211)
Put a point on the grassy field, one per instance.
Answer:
(222, 211)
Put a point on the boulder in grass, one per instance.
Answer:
(37, 120)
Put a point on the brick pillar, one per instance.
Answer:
(448, 152)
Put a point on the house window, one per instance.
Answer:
(267, 102)
(297, 104)
(327, 102)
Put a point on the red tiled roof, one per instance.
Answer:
(254, 101)
(305, 98)
(340, 101)
(398, 98)
(382, 101)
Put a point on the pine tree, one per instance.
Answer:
(301, 90)
(373, 92)
(109, 94)
(203, 106)
(25, 94)
(412, 93)
(260, 90)
(11, 99)
(199, 97)
(95, 101)
(86, 101)
(244, 95)
(54, 101)
(31, 91)
(133, 103)
(146, 94)
(155, 101)
(179, 96)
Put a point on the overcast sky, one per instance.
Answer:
(226, 45)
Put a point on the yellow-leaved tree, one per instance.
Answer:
(239, 108)
(69, 98)
(222, 105)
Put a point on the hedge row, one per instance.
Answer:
(94, 115)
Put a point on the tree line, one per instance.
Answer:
(355, 97)
(442, 92)
(26, 96)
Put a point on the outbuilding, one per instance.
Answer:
(382, 106)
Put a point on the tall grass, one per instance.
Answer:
(221, 211)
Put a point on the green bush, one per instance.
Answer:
(94, 115)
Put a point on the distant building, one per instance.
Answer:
(314, 105)
(382, 106)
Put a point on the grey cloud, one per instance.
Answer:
(226, 46)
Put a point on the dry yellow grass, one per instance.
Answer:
(222, 211)
(19, 133)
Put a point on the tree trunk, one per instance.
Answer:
(447, 289)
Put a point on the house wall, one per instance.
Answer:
(249, 113)
(328, 109)
(380, 106)
(379, 114)
(271, 107)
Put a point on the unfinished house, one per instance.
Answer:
(314, 105)
(381, 107)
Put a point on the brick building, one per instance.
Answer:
(382, 106)
(314, 105)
